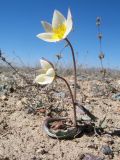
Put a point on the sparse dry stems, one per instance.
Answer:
(100, 36)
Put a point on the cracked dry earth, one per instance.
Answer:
(23, 110)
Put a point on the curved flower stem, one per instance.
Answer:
(74, 64)
(74, 108)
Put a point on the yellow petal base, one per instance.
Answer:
(59, 32)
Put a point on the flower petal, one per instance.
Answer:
(50, 72)
(47, 26)
(48, 37)
(69, 23)
(49, 80)
(43, 79)
(48, 75)
(40, 79)
(40, 71)
(45, 64)
(58, 19)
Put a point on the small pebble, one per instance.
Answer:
(59, 95)
(116, 96)
(30, 110)
(4, 98)
(41, 151)
(106, 150)
(94, 146)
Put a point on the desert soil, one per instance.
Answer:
(23, 110)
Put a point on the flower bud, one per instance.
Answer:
(101, 55)
(100, 36)
(98, 21)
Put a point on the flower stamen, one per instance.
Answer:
(59, 32)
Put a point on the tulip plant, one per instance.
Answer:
(48, 75)
(55, 32)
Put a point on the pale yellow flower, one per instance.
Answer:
(47, 73)
(59, 29)
(118, 82)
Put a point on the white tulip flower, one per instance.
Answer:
(47, 73)
(118, 82)
(59, 29)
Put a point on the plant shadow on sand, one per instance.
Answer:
(90, 130)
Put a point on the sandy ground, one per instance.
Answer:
(21, 133)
